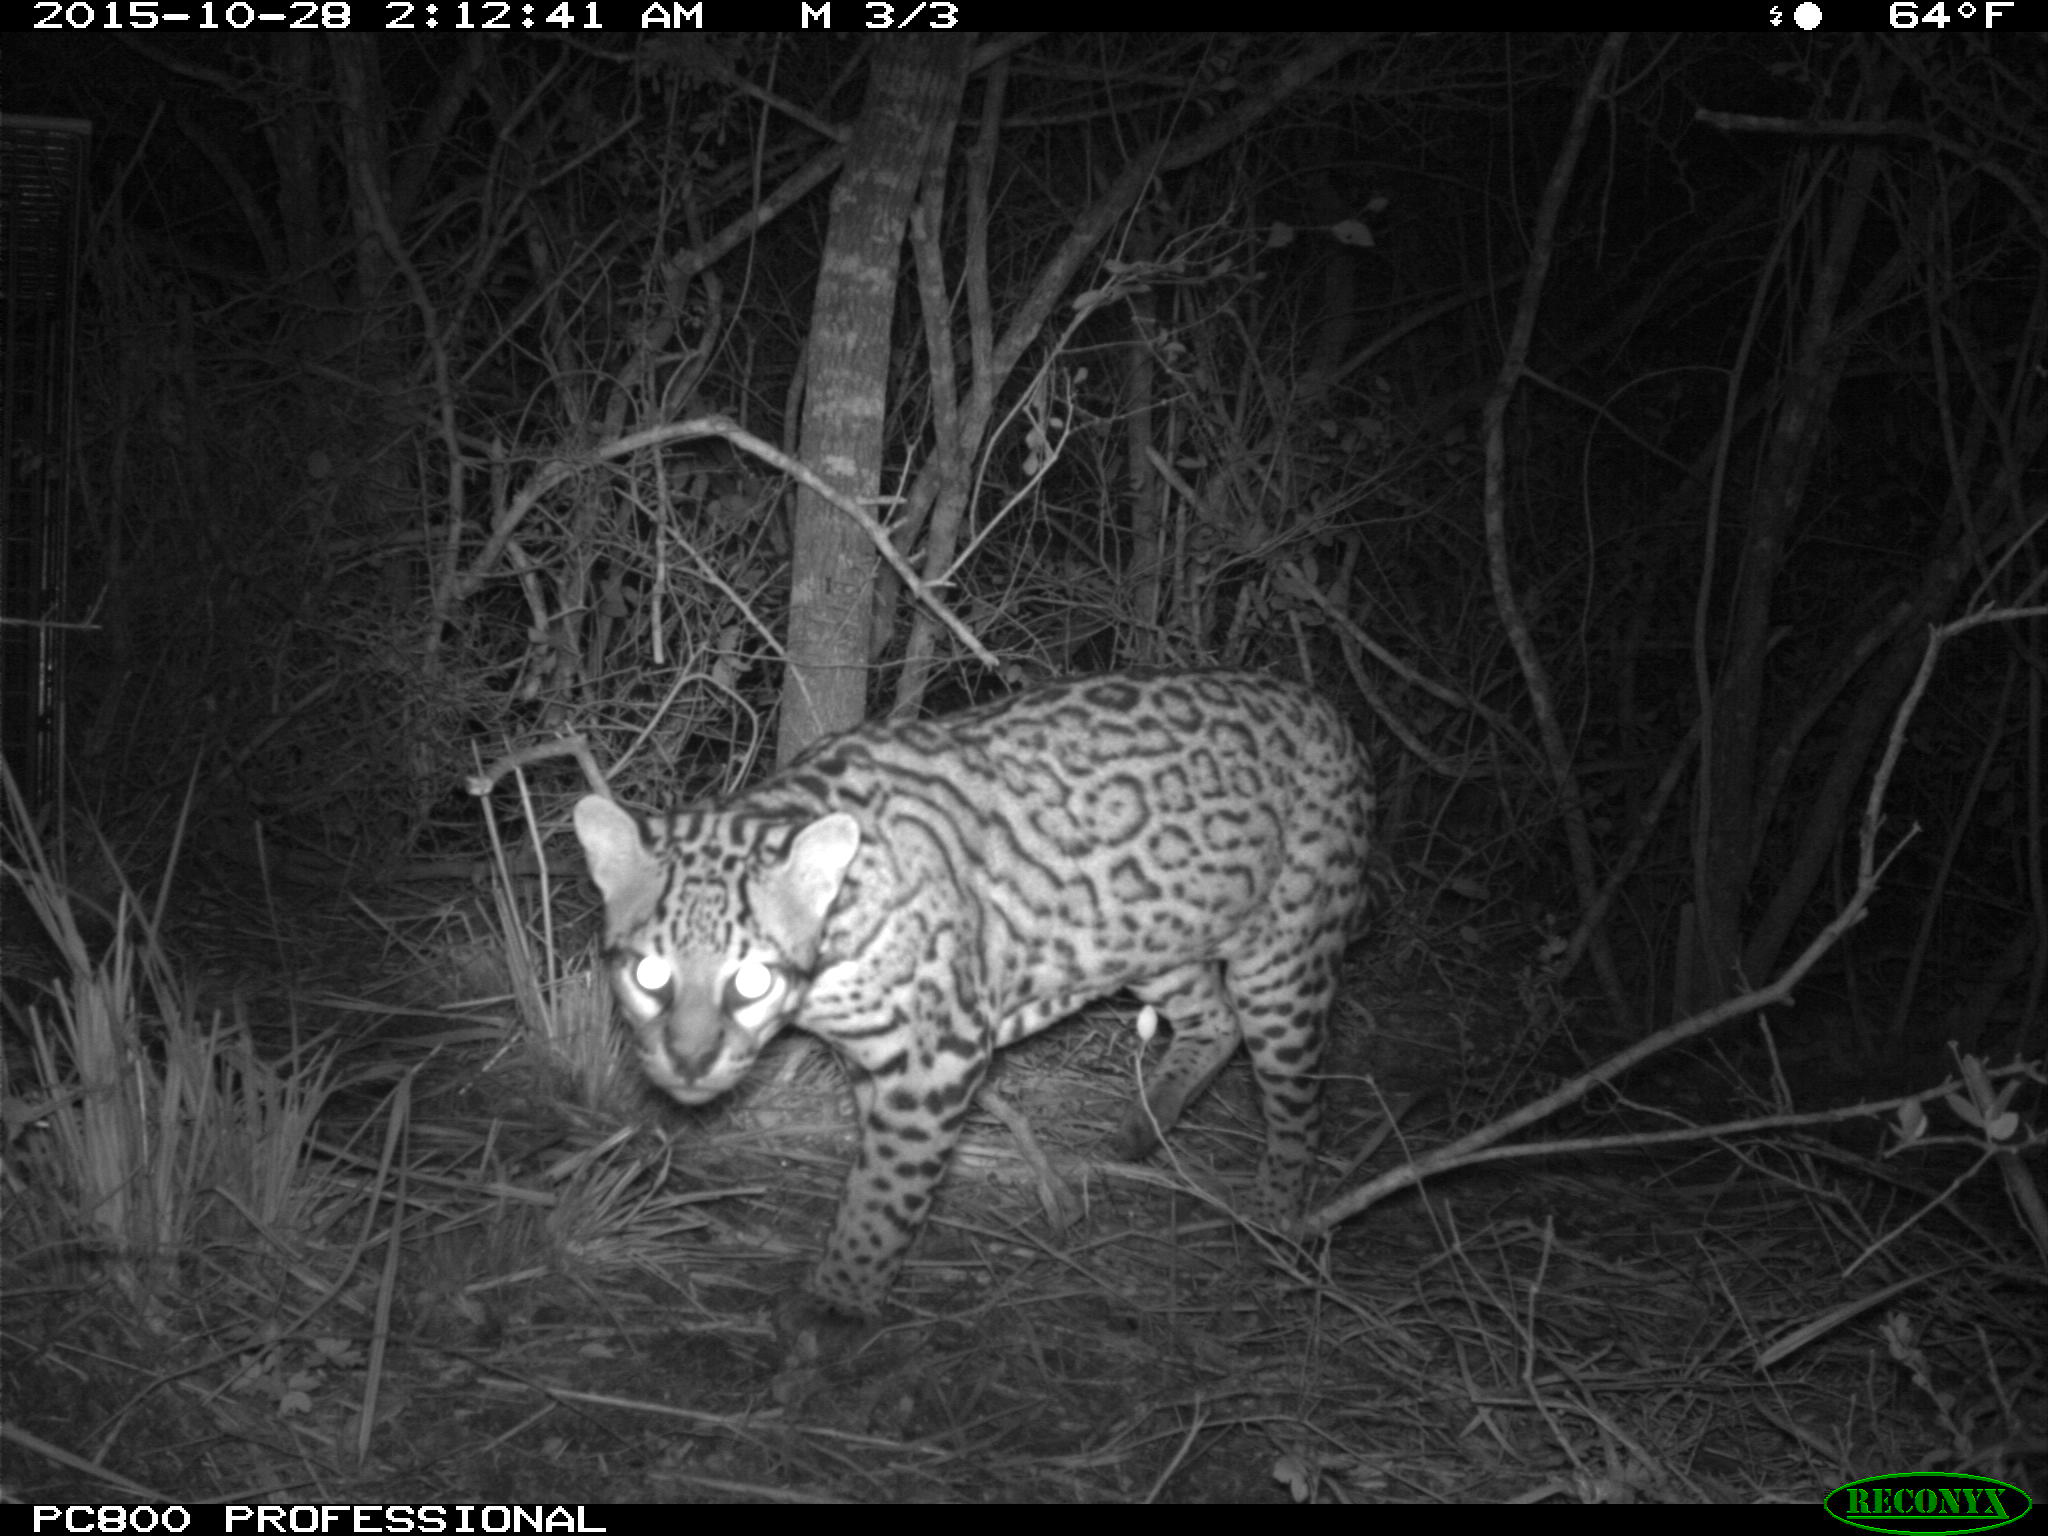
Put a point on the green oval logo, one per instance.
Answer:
(1945, 1502)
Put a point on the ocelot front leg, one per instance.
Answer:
(911, 1111)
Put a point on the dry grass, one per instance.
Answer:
(465, 1258)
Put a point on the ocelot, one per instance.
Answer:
(923, 894)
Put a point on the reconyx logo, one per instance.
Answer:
(1948, 1503)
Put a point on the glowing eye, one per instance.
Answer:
(651, 973)
(752, 981)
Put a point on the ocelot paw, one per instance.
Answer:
(1133, 1140)
(1276, 1207)
(814, 1332)
(1281, 1223)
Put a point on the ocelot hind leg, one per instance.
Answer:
(1275, 1000)
(1282, 998)
(1205, 1032)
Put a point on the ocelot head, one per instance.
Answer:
(712, 924)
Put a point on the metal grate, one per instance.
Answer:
(42, 205)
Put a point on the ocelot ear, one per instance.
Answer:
(793, 896)
(620, 864)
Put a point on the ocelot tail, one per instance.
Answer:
(923, 894)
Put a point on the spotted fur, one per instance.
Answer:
(923, 894)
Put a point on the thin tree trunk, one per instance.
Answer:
(913, 92)
(1728, 834)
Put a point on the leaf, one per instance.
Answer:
(1299, 1480)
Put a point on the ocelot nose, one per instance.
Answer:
(687, 1061)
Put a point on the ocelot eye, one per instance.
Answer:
(751, 982)
(653, 975)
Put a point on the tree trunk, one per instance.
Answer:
(914, 91)
(1729, 833)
